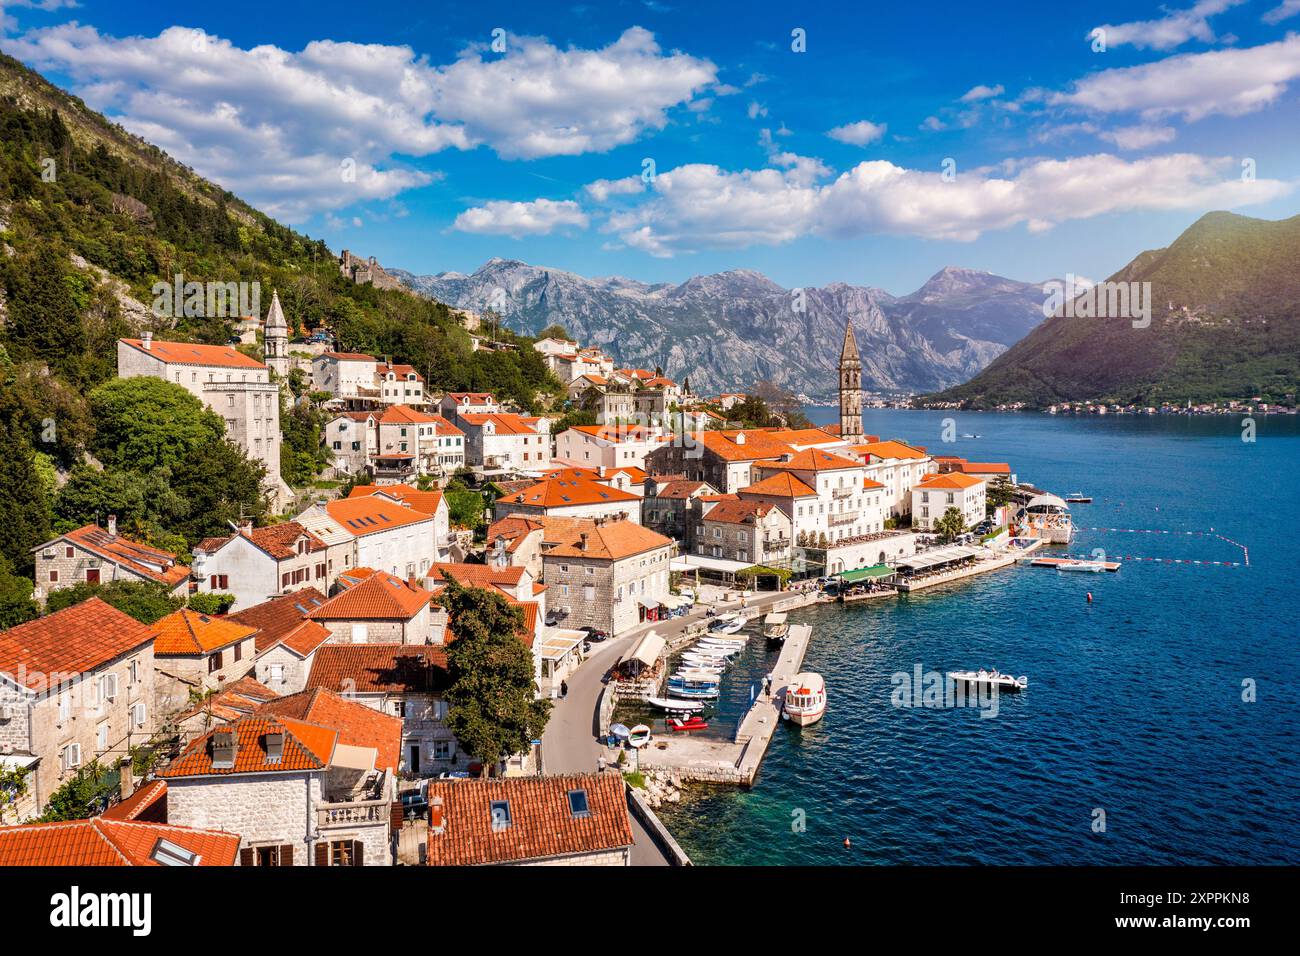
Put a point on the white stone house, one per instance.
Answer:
(286, 640)
(353, 440)
(607, 446)
(399, 384)
(383, 534)
(935, 494)
(345, 374)
(379, 609)
(454, 404)
(570, 497)
(256, 564)
(194, 653)
(506, 442)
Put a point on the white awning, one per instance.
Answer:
(937, 556)
(18, 762)
(690, 562)
(354, 758)
(558, 642)
(646, 650)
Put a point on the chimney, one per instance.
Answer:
(112, 525)
(126, 782)
(246, 527)
(223, 748)
(437, 822)
(740, 438)
(582, 541)
(146, 340)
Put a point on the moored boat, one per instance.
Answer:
(728, 623)
(675, 706)
(639, 736)
(805, 699)
(776, 627)
(689, 723)
(1090, 567)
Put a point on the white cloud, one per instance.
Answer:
(540, 217)
(982, 92)
(602, 189)
(274, 125)
(1192, 85)
(1138, 137)
(1172, 30)
(860, 133)
(756, 109)
(1283, 11)
(702, 206)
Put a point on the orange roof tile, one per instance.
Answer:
(477, 575)
(617, 433)
(405, 415)
(781, 485)
(735, 511)
(284, 619)
(952, 479)
(542, 824)
(889, 449)
(108, 842)
(380, 597)
(187, 632)
(379, 668)
(70, 642)
(371, 514)
(811, 459)
(189, 353)
(504, 422)
(152, 563)
(357, 724)
(565, 492)
(280, 541)
(744, 444)
(306, 747)
(349, 356)
(236, 699)
(514, 529)
(144, 800)
(610, 540)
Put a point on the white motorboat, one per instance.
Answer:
(1088, 567)
(728, 623)
(805, 699)
(703, 660)
(714, 650)
(675, 706)
(692, 689)
(991, 678)
(776, 627)
(733, 644)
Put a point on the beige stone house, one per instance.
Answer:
(579, 820)
(299, 793)
(286, 639)
(749, 531)
(76, 687)
(96, 555)
(402, 680)
(378, 609)
(195, 653)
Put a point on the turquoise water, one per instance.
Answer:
(1135, 704)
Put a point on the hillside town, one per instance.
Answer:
(299, 706)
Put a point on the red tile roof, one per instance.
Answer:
(349, 356)
(379, 668)
(682, 488)
(280, 541)
(515, 530)
(146, 799)
(405, 415)
(888, 449)
(610, 540)
(151, 563)
(187, 632)
(952, 479)
(357, 724)
(306, 747)
(565, 492)
(77, 639)
(188, 353)
(735, 511)
(236, 699)
(107, 842)
(780, 485)
(541, 823)
(380, 597)
(283, 619)
(477, 575)
(503, 422)
(811, 459)
(425, 502)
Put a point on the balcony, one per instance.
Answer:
(359, 813)
(847, 517)
(847, 492)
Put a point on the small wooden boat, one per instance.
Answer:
(675, 706)
(805, 699)
(690, 723)
(990, 678)
(776, 627)
(692, 691)
(639, 736)
(728, 623)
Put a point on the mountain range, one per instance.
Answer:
(1224, 324)
(728, 330)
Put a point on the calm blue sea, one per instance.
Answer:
(1135, 705)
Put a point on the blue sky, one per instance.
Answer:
(815, 166)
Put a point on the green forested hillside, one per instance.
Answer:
(1225, 325)
(88, 213)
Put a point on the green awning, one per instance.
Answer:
(866, 574)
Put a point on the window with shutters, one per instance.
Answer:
(214, 662)
(267, 855)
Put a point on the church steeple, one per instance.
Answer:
(850, 387)
(275, 338)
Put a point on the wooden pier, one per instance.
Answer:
(1053, 562)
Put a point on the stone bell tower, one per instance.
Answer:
(275, 339)
(850, 388)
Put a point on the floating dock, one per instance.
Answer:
(737, 760)
(1053, 562)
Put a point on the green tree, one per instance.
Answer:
(465, 509)
(493, 707)
(211, 603)
(44, 320)
(144, 601)
(24, 506)
(88, 791)
(144, 423)
(950, 524)
(16, 604)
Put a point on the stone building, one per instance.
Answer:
(380, 609)
(353, 440)
(404, 681)
(570, 497)
(286, 639)
(735, 529)
(297, 793)
(724, 459)
(96, 555)
(850, 388)
(76, 686)
(666, 503)
(366, 271)
(195, 653)
(259, 563)
(579, 820)
(275, 339)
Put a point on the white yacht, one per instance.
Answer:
(805, 699)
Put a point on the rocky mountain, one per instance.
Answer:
(1224, 324)
(728, 330)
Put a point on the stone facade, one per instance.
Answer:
(606, 594)
(282, 670)
(241, 568)
(177, 675)
(61, 563)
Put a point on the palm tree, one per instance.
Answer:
(950, 524)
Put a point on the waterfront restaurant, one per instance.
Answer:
(937, 561)
(877, 574)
